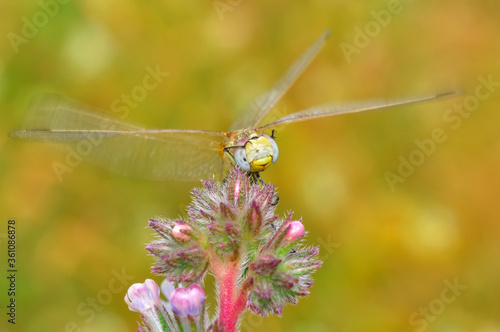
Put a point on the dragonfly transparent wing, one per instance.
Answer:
(253, 114)
(321, 111)
(121, 146)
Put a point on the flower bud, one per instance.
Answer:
(143, 297)
(265, 266)
(182, 232)
(295, 231)
(188, 301)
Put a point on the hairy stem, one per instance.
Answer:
(232, 300)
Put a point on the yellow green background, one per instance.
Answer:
(387, 253)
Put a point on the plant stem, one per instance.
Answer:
(232, 300)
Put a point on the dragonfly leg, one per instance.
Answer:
(228, 152)
(276, 199)
(255, 178)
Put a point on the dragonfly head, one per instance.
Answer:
(257, 153)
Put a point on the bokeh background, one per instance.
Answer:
(390, 252)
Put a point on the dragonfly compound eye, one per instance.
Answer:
(240, 157)
(274, 146)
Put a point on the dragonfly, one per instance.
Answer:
(124, 147)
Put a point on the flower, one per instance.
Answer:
(295, 231)
(143, 298)
(188, 301)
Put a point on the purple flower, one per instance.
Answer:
(143, 298)
(295, 231)
(187, 301)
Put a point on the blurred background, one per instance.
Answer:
(408, 231)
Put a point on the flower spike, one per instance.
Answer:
(233, 233)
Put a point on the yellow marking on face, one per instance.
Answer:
(259, 153)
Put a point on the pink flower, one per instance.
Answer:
(187, 301)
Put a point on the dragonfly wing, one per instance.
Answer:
(353, 107)
(179, 157)
(123, 147)
(52, 111)
(253, 114)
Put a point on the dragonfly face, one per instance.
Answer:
(182, 154)
(256, 153)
